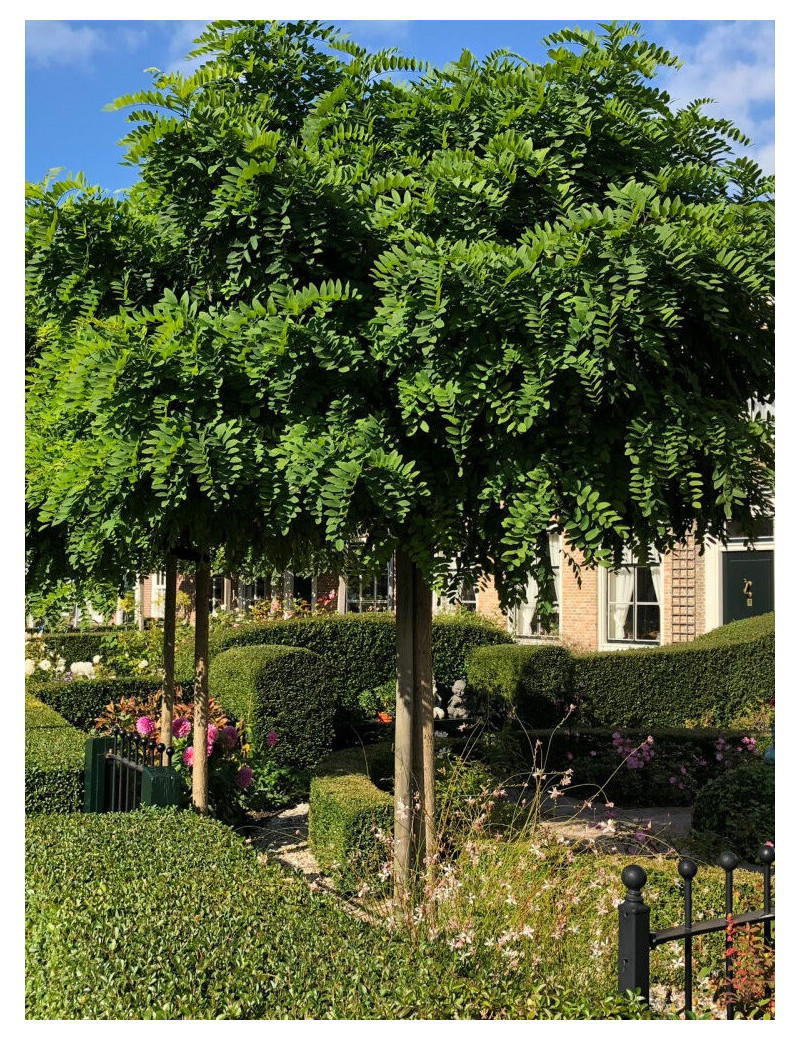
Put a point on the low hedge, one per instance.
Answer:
(718, 680)
(240, 939)
(534, 681)
(707, 684)
(736, 812)
(359, 649)
(347, 811)
(285, 689)
(54, 760)
(81, 701)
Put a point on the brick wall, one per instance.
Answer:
(579, 623)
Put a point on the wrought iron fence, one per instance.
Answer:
(124, 771)
(636, 940)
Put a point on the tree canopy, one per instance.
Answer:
(442, 311)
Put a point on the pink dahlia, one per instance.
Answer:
(181, 727)
(188, 757)
(230, 737)
(145, 727)
(244, 778)
(272, 738)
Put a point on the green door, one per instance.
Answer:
(747, 584)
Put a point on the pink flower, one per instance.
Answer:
(213, 732)
(188, 757)
(272, 738)
(145, 727)
(230, 737)
(181, 727)
(244, 778)
(570, 756)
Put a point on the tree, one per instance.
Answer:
(447, 313)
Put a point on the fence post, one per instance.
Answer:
(94, 766)
(634, 935)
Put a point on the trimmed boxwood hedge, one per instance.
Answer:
(534, 681)
(285, 689)
(54, 759)
(736, 811)
(345, 809)
(717, 680)
(83, 700)
(359, 649)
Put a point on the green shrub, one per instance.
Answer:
(360, 651)
(745, 631)
(54, 759)
(280, 689)
(347, 814)
(120, 649)
(534, 681)
(83, 700)
(736, 811)
(673, 685)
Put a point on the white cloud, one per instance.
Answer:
(733, 63)
(60, 43)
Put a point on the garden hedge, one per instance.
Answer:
(239, 938)
(54, 759)
(719, 680)
(736, 812)
(347, 810)
(534, 681)
(81, 701)
(359, 649)
(282, 689)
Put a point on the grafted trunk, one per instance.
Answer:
(414, 798)
(200, 766)
(168, 697)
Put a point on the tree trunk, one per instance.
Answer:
(140, 612)
(168, 698)
(200, 766)
(414, 801)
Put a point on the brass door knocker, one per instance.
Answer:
(748, 591)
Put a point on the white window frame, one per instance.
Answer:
(158, 593)
(606, 642)
(533, 591)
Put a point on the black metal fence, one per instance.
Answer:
(636, 940)
(124, 771)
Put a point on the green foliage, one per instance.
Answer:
(120, 650)
(350, 819)
(735, 812)
(713, 685)
(381, 698)
(285, 690)
(83, 701)
(535, 682)
(442, 312)
(746, 631)
(54, 756)
(359, 649)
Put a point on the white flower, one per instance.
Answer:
(440, 734)
(45, 665)
(82, 669)
(60, 664)
(30, 666)
(143, 664)
(96, 659)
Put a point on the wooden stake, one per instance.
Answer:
(168, 698)
(201, 613)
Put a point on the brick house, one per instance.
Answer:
(670, 600)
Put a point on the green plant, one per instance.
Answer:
(282, 694)
(378, 700)
(54, 758)
(534, 682)
(83, 701)
(736, 812)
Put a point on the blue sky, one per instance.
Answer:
(74, 68)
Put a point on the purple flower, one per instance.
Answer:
(230, 737)
(145, 727)
(181, 727)
(188, 757)
(272, 738)
(244, 778)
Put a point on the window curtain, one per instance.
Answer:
(655, 572)
(555, 563)
(622, 584)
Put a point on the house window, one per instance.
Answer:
(368, 592)
(528, 622)
(158, 594)
(634, 602)
(252, 592)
